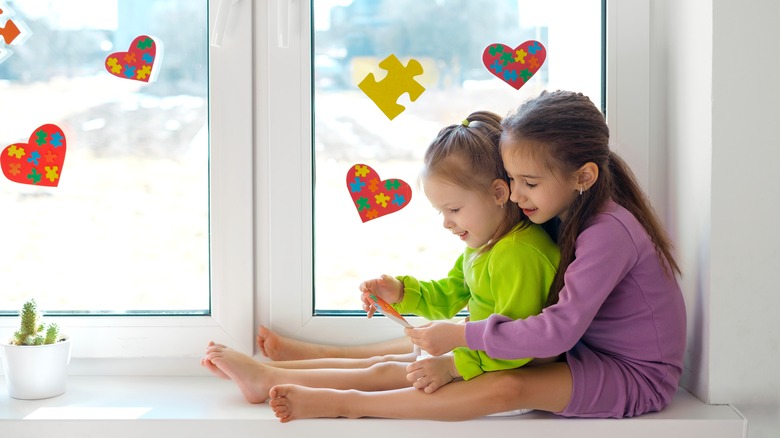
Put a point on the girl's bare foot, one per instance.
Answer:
(277, 347)
(206, 363)
(252, 377)
(291, 402)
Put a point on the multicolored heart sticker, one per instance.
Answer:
(514, 66)
(141, 62)
(373, 197)
(39, 161)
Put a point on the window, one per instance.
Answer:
(261, 196)
(318, 124)
(151, 223)
(126, 228)
(447, 38)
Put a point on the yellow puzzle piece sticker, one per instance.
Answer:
(399, 80)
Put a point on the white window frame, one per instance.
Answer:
(103, 344)
(261, 237)
(283, 213)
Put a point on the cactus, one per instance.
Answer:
(31, 331)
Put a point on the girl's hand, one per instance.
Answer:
(438, 337)
(385, 287)
(431, 373)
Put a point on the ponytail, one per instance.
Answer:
(566, 130)
(627, 192)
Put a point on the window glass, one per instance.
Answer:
(126, 230)
(447, 38)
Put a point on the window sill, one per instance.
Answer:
(204, 406)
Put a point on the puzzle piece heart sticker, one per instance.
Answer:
(141, 62)
(373, 197)
(399, 80)
(39, 161)
(514, 66)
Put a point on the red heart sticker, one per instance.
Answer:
(39, 161)
(514, 66)
(374, 197)
(141, 62)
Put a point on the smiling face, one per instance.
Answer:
(540, 192)
(473, 217)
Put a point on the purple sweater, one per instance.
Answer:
(620, 307)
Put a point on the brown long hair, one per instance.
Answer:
(566, 131)
(467, 154)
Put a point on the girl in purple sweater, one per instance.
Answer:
(615, 316)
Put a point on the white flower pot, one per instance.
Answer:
(36, 371)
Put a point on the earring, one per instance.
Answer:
(580, 190)
(502, 205)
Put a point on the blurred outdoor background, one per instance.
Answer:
(126, 231)
(448, 37)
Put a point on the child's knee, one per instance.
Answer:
(509, 385)
(388, 370)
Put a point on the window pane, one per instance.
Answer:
(447, 37)
(126, 229)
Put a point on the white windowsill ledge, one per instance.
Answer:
(195, 406)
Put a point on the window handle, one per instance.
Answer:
(283, 22)
(220, 23)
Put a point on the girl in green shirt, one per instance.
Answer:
(507, 268)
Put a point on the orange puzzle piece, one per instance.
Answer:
(10, 32)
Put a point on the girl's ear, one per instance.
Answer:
(500, 191)
(587, 175)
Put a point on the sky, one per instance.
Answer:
(70, 14)
(322, 12)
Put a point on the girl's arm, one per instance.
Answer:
(605, 252)
(436, 299)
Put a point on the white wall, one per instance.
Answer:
(684, 50)
(745, 257)
(717, 109)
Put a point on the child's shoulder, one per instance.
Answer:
(615, 224)
(615, 215)
(530, 237)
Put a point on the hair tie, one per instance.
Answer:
(465, 122)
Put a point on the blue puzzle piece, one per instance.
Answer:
(356, 186)
(129, 71)
(56, 139)
(510, 75)
(34, 157)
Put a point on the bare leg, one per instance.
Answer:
(277, 347)
(544, 387)
(254, 378)
(319, 363)
(342, 362)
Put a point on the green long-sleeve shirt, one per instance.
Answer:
(512, 279)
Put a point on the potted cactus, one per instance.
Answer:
(35, 359)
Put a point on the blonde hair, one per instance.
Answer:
(467, 154)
